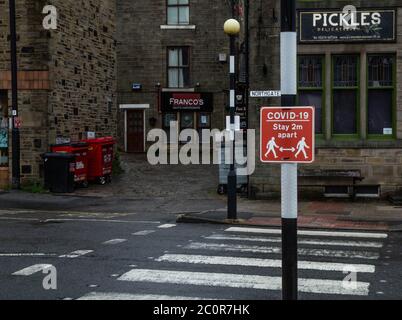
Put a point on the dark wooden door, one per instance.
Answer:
(135, 131)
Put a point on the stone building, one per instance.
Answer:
(172, 50)
(66, 78)
(177, 51)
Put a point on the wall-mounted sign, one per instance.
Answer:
(136, 86)
(347, 25)
(265, 94)
(186, 101)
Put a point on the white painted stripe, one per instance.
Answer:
(288, 63)
(232, 64)
(114, 241)
(32, 269)
(143, 233)
(313, 233)
(241, 281)
(76, 254)
(167, 226)
(289, 194)
(11, 255)
(105, 220)
(232, 99)
(263, 263)
(340, 243)
(127, 296)
(276, 250)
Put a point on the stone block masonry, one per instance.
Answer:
(67, 76)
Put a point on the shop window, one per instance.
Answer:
(179, 67)
(381, 84)
(167, 119)
(345, 95)
(311, 88)
(3, 130)
(203, 122)
(178, 12)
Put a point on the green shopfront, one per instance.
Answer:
(349, 68)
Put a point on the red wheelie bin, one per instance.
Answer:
(80, 150)
(100, 159)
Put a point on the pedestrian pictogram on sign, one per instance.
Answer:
(287, 134)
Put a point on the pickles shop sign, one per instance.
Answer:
(347, 25)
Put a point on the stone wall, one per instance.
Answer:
(83, 70)
(67, 76)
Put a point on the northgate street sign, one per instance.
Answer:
(287, 135)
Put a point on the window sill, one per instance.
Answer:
(178, 27)
(359, 144)
(178, 90)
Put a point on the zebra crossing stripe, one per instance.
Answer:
(32, 269)
(114, 241)
(312, 233)
(263, 263)
(276, 250)
(76, 254)
(143, 233)
(242, 281)
(167, 226)
(126, 296)
(340, 243)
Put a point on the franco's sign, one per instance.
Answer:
(347, 25)
(187, 101)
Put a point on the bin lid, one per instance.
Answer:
(100, 140)
(80, 144)
(58, 155)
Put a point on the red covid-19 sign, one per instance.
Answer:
(287, 135)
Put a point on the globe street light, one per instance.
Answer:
(232, 29)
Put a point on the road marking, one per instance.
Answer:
(312, 233)
(114, 241)
(103, 220)
(302, 241)
(242, 281)
(263, 263)
(27, 255)
(32, 269)
(127, 296)
(79, 220)
(167, 226)
(76, 254)
(277, 250)
(143, 233)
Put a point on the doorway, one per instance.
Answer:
(135, 131)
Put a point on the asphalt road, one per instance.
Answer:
(149, 256)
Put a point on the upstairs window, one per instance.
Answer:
(178, 12)
(179, 67)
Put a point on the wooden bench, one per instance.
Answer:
(353, 176)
